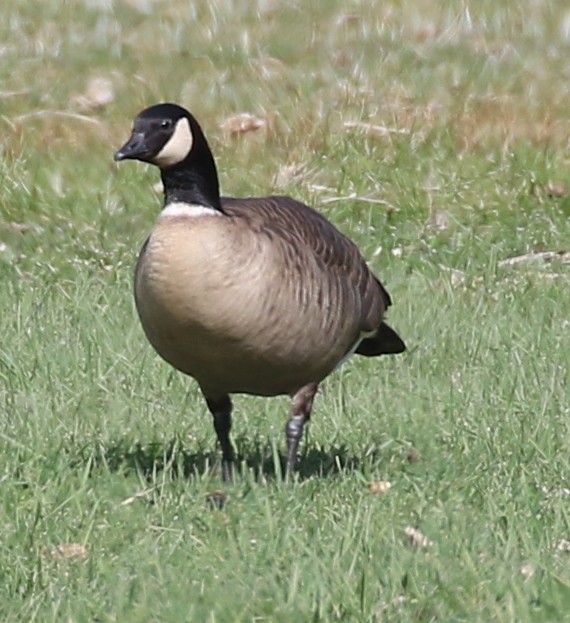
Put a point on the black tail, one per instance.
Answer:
(385, 342)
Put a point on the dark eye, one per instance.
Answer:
(165, 123)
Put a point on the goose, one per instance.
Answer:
(256, 295)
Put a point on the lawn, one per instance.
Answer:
(433, 486)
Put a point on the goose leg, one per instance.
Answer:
(221, 409)
(299, 415)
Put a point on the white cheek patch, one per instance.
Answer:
(177, 147)
(187, 210)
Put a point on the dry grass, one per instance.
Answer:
(485, 73)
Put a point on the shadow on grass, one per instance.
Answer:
(257, 455)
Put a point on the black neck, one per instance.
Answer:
(189, 183)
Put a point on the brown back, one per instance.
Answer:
(302, 230)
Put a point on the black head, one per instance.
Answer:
(169, 137)
(163, 135)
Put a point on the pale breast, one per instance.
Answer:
(221, 304)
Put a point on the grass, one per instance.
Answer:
(109, 455)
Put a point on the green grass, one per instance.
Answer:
(105, 447)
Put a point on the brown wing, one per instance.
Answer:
(300, 226)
